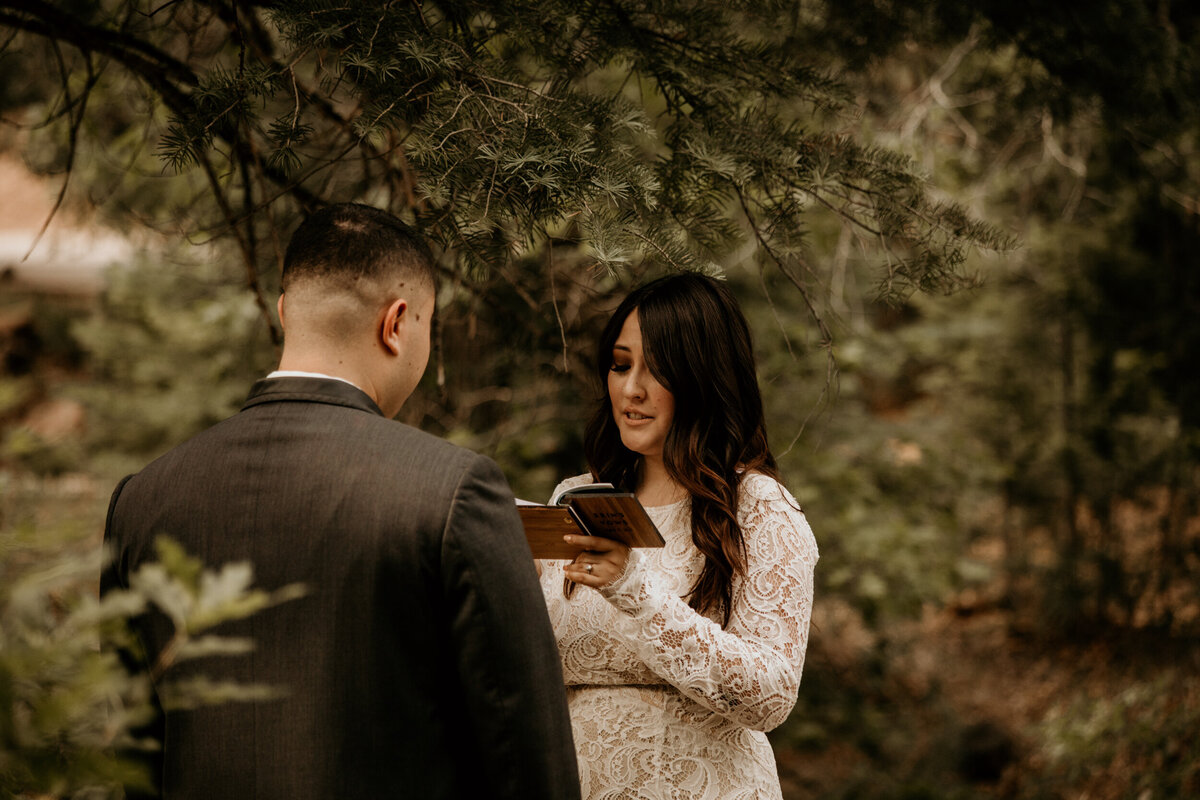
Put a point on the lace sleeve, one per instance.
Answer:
(750, 671)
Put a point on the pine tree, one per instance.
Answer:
(643, 134)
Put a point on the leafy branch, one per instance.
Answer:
(68, 704)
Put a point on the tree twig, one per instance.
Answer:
(72, 145)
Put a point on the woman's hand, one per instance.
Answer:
(601, 562)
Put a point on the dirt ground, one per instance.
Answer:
(974, 685)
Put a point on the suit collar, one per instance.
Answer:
(310, 390)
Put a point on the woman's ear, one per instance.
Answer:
(391, 330)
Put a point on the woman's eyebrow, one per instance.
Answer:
(621, 347)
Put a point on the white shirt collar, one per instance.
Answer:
(295, 373)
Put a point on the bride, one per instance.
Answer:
(677, 660)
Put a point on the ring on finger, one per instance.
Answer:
(588, 567)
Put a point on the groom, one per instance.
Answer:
(421, 663)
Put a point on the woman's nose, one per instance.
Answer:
(633, 385)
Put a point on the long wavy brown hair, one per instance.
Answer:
(697, 345)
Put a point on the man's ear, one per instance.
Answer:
(391, 327)
(279, 308)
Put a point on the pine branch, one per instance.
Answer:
(172, 80)
(163, 72)
(826, 334)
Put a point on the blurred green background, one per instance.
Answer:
(1001, 471)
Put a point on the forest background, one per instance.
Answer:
(965, 235)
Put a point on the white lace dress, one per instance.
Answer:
(664, 702)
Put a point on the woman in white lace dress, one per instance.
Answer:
(677, 660)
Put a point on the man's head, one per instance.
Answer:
(358, 300)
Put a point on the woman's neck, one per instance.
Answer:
(655, 485)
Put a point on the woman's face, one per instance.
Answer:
(642, 408)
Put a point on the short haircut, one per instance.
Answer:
(348, 242)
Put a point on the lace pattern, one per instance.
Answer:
(664, 702)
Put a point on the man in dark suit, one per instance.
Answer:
(421, 662)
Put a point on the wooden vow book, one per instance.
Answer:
(595, 509)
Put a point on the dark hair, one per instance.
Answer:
(697, 345)
(349, 241)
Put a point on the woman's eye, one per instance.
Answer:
(619, 368)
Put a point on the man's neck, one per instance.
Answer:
(329, 367)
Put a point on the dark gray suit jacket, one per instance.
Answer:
(421, 664)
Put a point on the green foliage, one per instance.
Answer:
(512, 370)
(14, 393)
(1144, 742)
(68, 706)
(32, 452)
(543, 142)
(877, 475)
(196, 600)
(1060, 398)
(1035, 439)
(173, 350)
(662, 135)
(63, 702)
